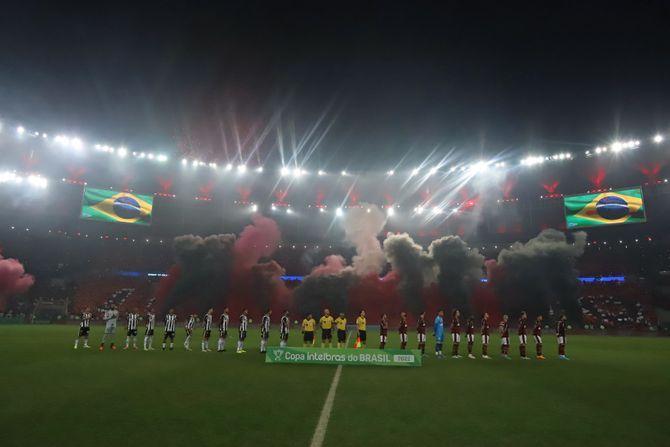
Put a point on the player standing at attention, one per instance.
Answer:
(190, 324)
(537, 333)
(308, 324)
(326, 323)
(244, 326)
(133, 320)
(362, 325)
(84, 328)
(149, 331)
(223, 330)
(503, 328)
(470, 335)
(341, 323)
(560, 334)
(170, 328)
(438, 331)
(206, 330)
(110, 316)
(421, 332)
(265, 330)
(402, 330)
(485, 336)
(455, 333)
(383, 331)
(523, 335)
(284, 325)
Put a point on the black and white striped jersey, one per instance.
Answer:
(244, 323)
(284, 325)
(191, 322)
(170, 322)
(265, 324)
(223, 322)
(207, 323)
(85, 320)
(133, 319)
(151, 321)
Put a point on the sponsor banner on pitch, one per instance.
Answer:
(325, 356)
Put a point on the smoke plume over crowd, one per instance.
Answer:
(535, 275)
(13, 279)
(389, 274)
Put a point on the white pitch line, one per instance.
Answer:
(324, 418)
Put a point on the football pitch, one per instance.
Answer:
(614, 392)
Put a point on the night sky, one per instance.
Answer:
(375, 83)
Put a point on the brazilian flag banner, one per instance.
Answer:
(623, 206)
(114, 206)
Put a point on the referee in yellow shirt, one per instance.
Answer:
(326, 323)
(341, 323)
(361, 324)
(308, 325)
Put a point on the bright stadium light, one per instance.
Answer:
(437, 210)
(321, 172)
(321, 210)
(289, 211)
(419, 210)
(37, 181)
(284, 171)
(259, 169)
(297, 172)
(184, 161)
(658, 138)
(20, 130)
(150, 156)
(432, 171)
(415, 171)
(195, 163)
(162, 158)
(338, 212)
(390, 212)
(241, 169)
(229, 167)
(274, 208)
(344, 173)
(122, 152)
(254, 208)
(390, 173)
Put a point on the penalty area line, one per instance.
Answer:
(324, 418)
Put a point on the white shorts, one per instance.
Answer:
(485, 339)
(421, 338)
(504, 340)
(523, 339)
(538, 340)
(111, 329)
(403, 338)
(471, 338)
(382, 338)
(456, 338)
(561, 340)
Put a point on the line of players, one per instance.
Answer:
(326, 324)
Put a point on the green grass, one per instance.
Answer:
(614, 392)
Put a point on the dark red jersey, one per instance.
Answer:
(560, 328)
(403, 326)
(455, 326)
(523, 326)
(384, 327)
(421, 326)
(504, 329)
(537, 330)
(485, 327)
(470, 329)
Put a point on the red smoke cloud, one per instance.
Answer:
(333, 264)
(257, 240)
(13, 279)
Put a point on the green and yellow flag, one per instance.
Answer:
(115, 206)
(605, 208)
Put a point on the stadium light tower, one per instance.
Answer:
(658, 138)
